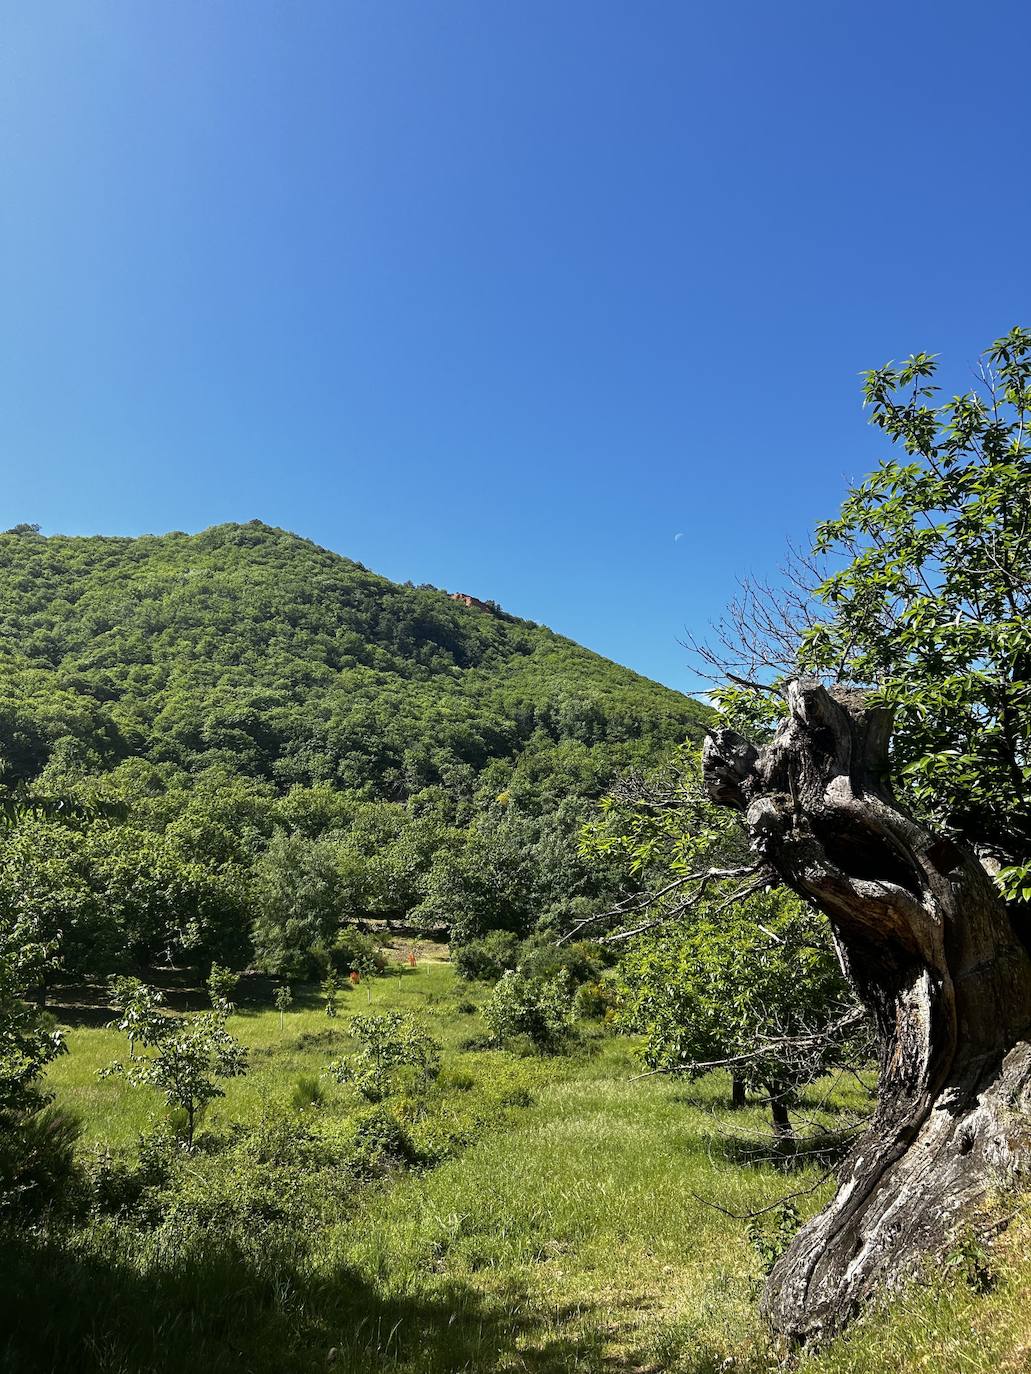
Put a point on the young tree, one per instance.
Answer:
(330, 991)
(188, 1057)
(282, 999)
(138, 1006)
(388, 1044)
(539, 1008)
(755, 990)
(222, 983)
(718, 971)
(894, 797)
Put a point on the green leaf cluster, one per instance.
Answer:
(929, 594)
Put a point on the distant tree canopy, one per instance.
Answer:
(226, 746)
(250, 648)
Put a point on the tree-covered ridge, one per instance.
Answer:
(235, 745)
(248, 647)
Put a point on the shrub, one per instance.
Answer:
(118, 1184)
(392, 1049)
(353, 952)
(540, 1009)
(222, 984)
(543, 958)
(277, 1171)
(37, 1160)
(596, 1001)
(485, 960)
(381, 1142)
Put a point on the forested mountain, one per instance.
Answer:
(252, 648)
(299, 738)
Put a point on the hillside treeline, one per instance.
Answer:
(232, 745)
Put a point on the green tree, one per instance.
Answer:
(222, 983)
(27, 1042)
(330, 990)
(46, 880)
(929, 600)
(893, 796)
(138, 1005)
(282, 999)
(721, 972)
(539, 1008)
(188, 1059)
(299, 904)
(755, 990)
(392, 1047)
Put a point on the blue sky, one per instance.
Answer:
(498, 296)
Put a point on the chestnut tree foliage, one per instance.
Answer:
(928, 599)
(228, 747)
(721, 968)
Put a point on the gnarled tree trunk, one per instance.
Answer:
(929, 945)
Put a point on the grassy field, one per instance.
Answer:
(578, 1231)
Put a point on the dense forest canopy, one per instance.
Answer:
(266, 740)
(248, 647)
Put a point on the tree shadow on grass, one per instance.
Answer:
(822, 1149)
(102, 1302)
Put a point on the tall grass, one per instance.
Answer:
(584, 1231)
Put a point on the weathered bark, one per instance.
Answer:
(928, 943)
(737, 1092)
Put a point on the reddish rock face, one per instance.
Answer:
(472, 601)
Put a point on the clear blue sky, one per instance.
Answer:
(501, 295)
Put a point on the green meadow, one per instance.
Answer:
(564, 1214)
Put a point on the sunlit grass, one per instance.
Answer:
(587, 1231)
(306, 1041)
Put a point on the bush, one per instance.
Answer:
(543, 958)
(38, 1169)
(487, 959)
(116, 1184)
(393, 1051)
(353, 952)
(540, 1009)
(279, 1171)
(596, 1001)
(381, 1143)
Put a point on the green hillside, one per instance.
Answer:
(251, 648)
(236, 745)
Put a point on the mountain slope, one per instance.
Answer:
(253, 649)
